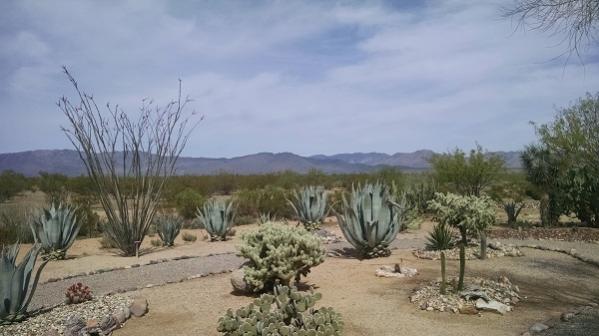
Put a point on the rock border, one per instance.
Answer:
(538, 327)
(571, 252)
(118, 268)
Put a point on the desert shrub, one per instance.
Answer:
(90, 221)
(244, 220)
(271, 200)
(11, 184)
(107, 243)
(217, 217)
(78, 293)
(370, 220)
(287, 312)
(310, 206)
(56, 229)
(168, 227)
(187, 202)
(189, 237)
(279, 253)
(156, 242)
(15, 221)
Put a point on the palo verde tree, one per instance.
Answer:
(467, 174)
(564, 164)
(128, 160)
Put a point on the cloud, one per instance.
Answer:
(307, 77)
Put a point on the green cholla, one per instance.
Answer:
(370, 220)
(287, 312)
(168, 227)
(279, 253)
(217, 218)
(15, 292)
(310, 205)
(56, 230)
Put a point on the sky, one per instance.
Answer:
(309, 77)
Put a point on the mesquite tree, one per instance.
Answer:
(128, 160)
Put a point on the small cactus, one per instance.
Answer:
(78, 293)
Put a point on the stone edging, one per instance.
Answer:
(571, 252)
(566, 316)
(111, 269)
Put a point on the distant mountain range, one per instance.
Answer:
(68, 162)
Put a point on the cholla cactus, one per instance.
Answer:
(279, 253)
(370, 220)
(217, 218)
(168, 227)
(287, 312)
(78, 293)
(15, 291)
(56, 230)
(310, 205)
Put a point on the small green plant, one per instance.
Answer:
(310, 205)
(56, 229)
(15, 281)
(217, 217)
(266, 218)
(168, 227)
(370, 220)
(78, 293)
(279, 254)
(156, 242)
(187, 201)
(441, 239)
(287, 312)
(188, 237)
(15, 224)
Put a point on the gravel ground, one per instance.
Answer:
(583, 324)
(52, 293)
(589, 250)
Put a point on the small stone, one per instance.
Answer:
(538, 327)
(108, 324)
(91, 324)
(430, 308)
(567, 316)
(468, 310)
(492, 306)
(238, 281)
(139, 307)
(73, 325)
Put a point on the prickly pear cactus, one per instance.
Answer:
(287, 312)
(279, 253)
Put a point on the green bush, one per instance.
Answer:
(168, 227)
(279, 253)
(15, 221)
(188, 237)
(187, 202)
(273, 200)
(287, 312)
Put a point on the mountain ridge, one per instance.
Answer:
(67, 162)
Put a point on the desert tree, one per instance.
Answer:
(577, 19)
(128, 160)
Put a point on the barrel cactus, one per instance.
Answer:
(287, 312)
(15, 289)
(56, 230)
(217, 218)
(168, 227)
(279, 254)
(310, 205)
(370, 220)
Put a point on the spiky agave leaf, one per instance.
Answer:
(56, 230)
(168, 227)
(370, 220)
(217, 216)
(15, 279)
(310, 205)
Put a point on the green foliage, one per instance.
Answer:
(310, 205)
(469, 214)
(370, 220)
(510, 194)
(54, 186)
(467, 175)
(187, 202)
(420, 193)
(56, 229)
(287, 312)
(279, 253)
(217, 217)
(271, 200)
(266, 218)
(168, 227)
(90, 221)
(15, 221)
(11, 184)
(15, 281)
(441, 238)
(564, 164)
(189, 237)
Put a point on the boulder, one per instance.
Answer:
(492, 306)
(108, 324)
(139, 307)
(238, 281)
(474, 293)
(122, 315)
(468, 310)
(538, 327)
(567, 316)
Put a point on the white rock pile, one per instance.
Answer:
(395, 271)
(479, 295)
(496, 249)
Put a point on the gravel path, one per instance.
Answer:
(587, 250)
(50, 294)
(584, 324)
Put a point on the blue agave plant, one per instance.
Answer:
(217, 217)
(56, 230)
(15, 292)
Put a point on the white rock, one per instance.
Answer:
(538, 327)
(492, 306)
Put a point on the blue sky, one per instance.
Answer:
(302, 76)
